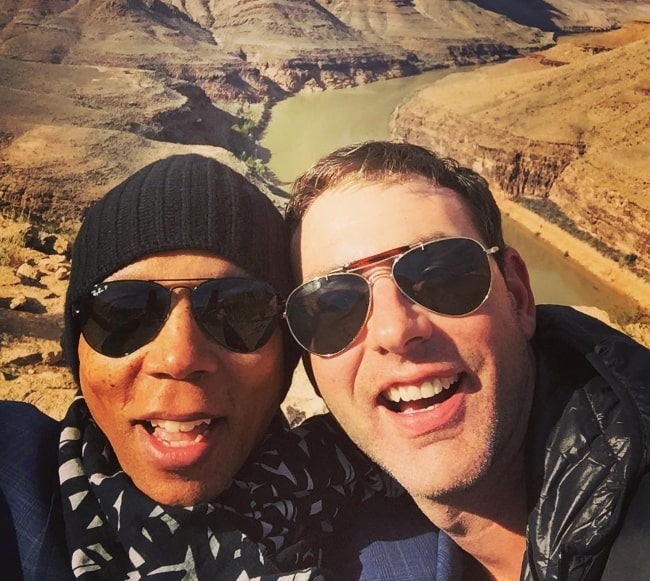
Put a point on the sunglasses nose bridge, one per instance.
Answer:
(377, 274)
(180, 297)
(385, 271)
(175, 290)
(393, 324)
(180, 349)
(178, 293)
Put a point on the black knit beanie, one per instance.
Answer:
(183, 202)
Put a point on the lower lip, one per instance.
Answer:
(443, 416)
(178, 458)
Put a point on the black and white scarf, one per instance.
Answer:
(267, 525)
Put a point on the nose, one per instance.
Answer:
(396, 324)
(181, 350)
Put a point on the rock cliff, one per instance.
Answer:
(564, 133)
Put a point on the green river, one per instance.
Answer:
(307, 126)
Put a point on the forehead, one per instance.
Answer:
(178, 264)
(356, 220)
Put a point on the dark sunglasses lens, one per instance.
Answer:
(238, 313)
(326, 314)
(120, 317)
(450, 276)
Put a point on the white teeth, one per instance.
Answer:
(414, 392)
(172, 426)
(393, 394)
(182, 443)
(428, 389)
(425, 390)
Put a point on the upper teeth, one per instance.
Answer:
(172, 426)
(426, 389)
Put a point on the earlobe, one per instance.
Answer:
(518, 283)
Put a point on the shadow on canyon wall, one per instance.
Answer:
(535, 13)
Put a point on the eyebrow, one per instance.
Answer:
(378, 257)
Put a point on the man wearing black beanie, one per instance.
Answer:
(182, 202)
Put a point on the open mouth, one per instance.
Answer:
(176, 434)
(414, 398)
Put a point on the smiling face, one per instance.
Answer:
(182, 413)
(438, 401)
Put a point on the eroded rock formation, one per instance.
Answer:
(569, 141)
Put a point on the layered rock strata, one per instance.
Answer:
(565, 134)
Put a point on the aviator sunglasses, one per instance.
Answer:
(448, 276)
(118, 317)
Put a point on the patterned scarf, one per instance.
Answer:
(269, 523)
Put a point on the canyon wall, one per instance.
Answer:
(566, 135)
(89, 90)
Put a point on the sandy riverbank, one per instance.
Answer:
(604, 269)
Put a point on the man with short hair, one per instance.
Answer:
(522, 432)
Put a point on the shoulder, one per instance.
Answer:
(623, 363)
(31, 444)
(590, 429)
(586, 334)
(384, 539)
(30, 441)
(15, 413)
(31, 519)
(629, 557)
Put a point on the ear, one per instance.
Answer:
(518, 283)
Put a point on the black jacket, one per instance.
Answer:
(32, 535)
(588, 452)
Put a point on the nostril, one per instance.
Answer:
(396, 325)
(196, 376)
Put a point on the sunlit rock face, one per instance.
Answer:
(564, 133)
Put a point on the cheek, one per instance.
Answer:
(502, 357)
(322, 370)
(256, 392)
(104, 381)
(335, 377)
(260, 374)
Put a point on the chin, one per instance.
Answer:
(182, 494)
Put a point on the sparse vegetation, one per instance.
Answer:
(246, 127)
(251, 118)
(17, 237)
(258, 167)
(550, 211)
(629, 259)
(12, 240)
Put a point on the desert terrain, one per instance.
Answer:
(90, 91)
